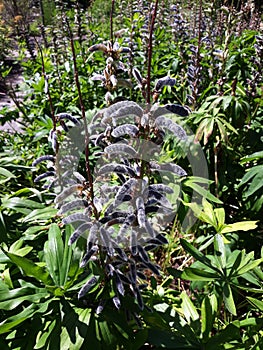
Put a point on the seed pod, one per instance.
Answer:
(125, 189)
(67, 116)
(177, 130)
(126, 129)
(152, 267)
(88, 255)
(183, 111)
(165, 81)
(121, 148)
(45, 175)
(98, 77)
(75, 217)
(116, 168)
(119, 284)
(137, 76)
(98, 47)
(43, 158)
(127, 223)
(53, 139)
(122, 109)
(161, 188)
(133, 243)
(87, 286)
(79, 231)
(141, 217)
(121, 253)
(76, 204)
(116, 302)
(133, 272)
(143, 254)
(138, 296)
(173, 168)
(69, 191)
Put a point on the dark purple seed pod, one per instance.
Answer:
(173, 168)
(116, 302)
(75, 217)
(67, 116)
(161, 188)
(152, 267)
(137, 75)
(127, 223)
(123, 277)
(141, 275)
(126, 129)
(88, 255)
(119, 284)
(64, 126)
(79, 232)
(133, 272)
(44, 158)
(177, 130)
(76, 204)
(87, 286)
(45, 175)
(121, 253)
(143, 254)
(68, 192)
(125, 189)
(121, 148)
(165, 81)
(98, 47)
(141, 217)
(138, 296)
(100, 307)
(133, 243)
(116, 168)
(110, 269)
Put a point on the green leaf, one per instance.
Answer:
(40, 214)
(228, 299)
(250, 266)
(6, 173)
(240, 226)
(254, 156)
(257, 303)
(53, 253)
(220, 216)
(188, 307)
(202, 191)
(194, 274)
(198, 255)
(220, 251)
(30, 268)
(208, 313)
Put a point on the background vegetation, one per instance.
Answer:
(206, 291)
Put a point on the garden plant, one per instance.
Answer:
(132, 191)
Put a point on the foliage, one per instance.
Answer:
(121, 228)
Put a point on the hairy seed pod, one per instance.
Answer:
(126, 224)
(141, 217)
(137, 76)
(43, 158)
(138, 297)
(133, 272)
(125, 189)
(98, 77)
(100, 307)
(75, 217)
(119, 284)
(76, 204)
(149, 228)
(121, 148)
(79, 232)
(116, 302)
(133, 243)
(53, 139)
(87, 286)
(170, 167)
(161, 188)
(177, 130)
(123, 277)
(68, 192)
(121, 109)
(88, 255)
(121, 253)
(67, 116)
(126, 129)
(98, 47)
(165, 81)
(183, 111)
(45, 175)
(152, 267)
(116, 168)
(143, 254)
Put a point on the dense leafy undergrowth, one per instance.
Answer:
(131, 202)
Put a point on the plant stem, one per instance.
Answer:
(83, 115)
(111, 21)
(148, 95)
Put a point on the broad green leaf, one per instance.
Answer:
(255, 185)
(229, 334)
(53, 253)
(250, 266)
(228, 299)
(40, 214)
(255, 170)
(16, 202)
(220, 216)
(220, 251)
(256, 302)
(254, 156)
(32, 298)
(6, 173)
(209, 211)
(194, 274)
(240, 226)
(67, 255)
(188, 307)
(208, 313)
(203, 192)
(198, 255)
(30, 268)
